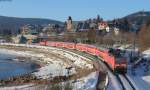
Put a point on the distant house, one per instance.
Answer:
(103, 25)
(116, 31)
(107, 29)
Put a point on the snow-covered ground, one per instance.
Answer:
(85, 83)
(113, 82)
(146, 54)
(140, 74)
(56, 66)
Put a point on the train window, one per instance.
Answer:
(115, 52)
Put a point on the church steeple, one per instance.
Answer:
(69, 24)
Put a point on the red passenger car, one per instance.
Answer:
(81, 47)
(112, 57)
(59, 44)
(91, 49)
(53, 44)
(70, 45)
(44, 43)
(87, 48)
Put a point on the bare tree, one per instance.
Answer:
(144, 37)
(91, 35)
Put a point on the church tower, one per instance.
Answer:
(69, 24)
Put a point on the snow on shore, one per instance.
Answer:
(57, 67)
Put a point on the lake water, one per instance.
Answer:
(12, 68)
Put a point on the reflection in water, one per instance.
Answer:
(11, 68)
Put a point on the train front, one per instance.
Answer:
(120, 61)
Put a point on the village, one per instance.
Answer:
(74, 45)
(84, 31)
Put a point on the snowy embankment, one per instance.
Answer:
(59, 63)
(56, 66)
(85, 83)
(147, 54)
(139, 73)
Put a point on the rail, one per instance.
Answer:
(133, 87)
(125, 82)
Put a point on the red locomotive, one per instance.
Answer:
(113, 58)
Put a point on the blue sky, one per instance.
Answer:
(78, 9)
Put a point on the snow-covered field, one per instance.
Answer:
(56, 66)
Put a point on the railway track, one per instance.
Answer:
(132, 85)
(125, 82)
(110, 72)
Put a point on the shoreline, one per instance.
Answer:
(62, 77)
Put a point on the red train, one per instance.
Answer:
(112, 57)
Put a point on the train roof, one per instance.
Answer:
(90, 46)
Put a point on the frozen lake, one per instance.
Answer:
(11, 68)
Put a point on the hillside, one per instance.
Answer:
(14, 23)
(139, 14)
(138, 17)
(132, 22)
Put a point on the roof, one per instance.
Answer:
(90, 46)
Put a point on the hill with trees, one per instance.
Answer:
(132, 22)
(13, 24)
